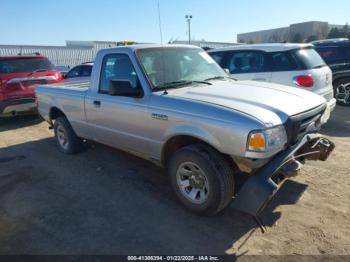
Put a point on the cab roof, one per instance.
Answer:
(145, 46)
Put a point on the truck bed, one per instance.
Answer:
(67, 96)
(71, 85)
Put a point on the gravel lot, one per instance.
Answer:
(104, 201)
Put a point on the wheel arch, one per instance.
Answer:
(339, 78)
(178, 141)
(54, 113)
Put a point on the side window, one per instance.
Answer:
(218, 57)
(282, 61)
(247, 62)
(330, 54)
(116, 67)
(75, 72)
(86, 71)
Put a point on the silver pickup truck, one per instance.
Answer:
(173, 105)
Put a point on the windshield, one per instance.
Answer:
(24, 65)
(310, 58)
(167, 67)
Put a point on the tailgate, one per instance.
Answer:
(17, 88)
(323, 82)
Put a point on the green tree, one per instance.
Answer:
(334, 33)
(312, 38)
(346, 31)
(297, 38)
(339, 33)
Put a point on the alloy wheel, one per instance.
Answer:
(62, 137)
(192, 182)
(343, 93)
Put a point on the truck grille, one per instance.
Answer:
(307, 122)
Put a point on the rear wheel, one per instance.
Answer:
(202, 179)
(342, 91)
(68, 142)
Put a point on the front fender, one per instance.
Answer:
(196, 132)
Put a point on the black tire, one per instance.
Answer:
(74, 143)
(341, 86)
(218, 172)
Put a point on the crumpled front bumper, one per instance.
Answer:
(260, 187)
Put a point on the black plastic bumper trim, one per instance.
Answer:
(259, 188)
(17, 101)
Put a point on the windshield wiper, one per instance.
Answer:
(176, 84)
(219, 77)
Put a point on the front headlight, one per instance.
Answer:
(271, 139)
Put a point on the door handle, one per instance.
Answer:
(97, 103)
(259, 79)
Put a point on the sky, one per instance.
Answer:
(52, 22)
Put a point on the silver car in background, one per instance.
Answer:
(296, 65)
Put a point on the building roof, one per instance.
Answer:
(264, 47)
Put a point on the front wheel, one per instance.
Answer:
(202, 179)
(342, 92)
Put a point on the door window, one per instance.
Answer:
(282, 61)
(247, 62)
(330, 54)
(116, 67)
(74, 72)
(86, 71)
(218, 57)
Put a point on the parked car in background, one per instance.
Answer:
(336, 53)
(80, 72)
(296, 65)
(187, 115)
(19, 76)
(63, 69)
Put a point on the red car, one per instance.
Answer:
(18, 77)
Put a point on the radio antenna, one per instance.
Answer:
(160, 25)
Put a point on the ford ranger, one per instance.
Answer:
(175, 106)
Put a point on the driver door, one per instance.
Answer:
(119, 121)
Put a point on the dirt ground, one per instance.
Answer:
(104, 201)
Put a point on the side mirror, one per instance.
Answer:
(227, 71)
(124, 88)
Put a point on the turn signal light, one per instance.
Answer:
(256, 142)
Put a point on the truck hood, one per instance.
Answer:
(270, 103)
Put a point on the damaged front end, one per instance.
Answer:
(261, 186)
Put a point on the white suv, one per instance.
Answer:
(297, 65)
